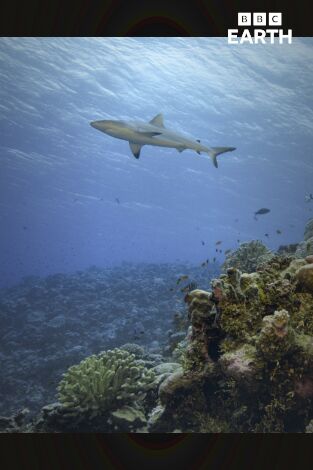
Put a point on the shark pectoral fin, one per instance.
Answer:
(180, 149)
(157, 120)
(135, 148)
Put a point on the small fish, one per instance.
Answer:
(202, 242)
(205, 263)
(261, 212)
(238, 241)
(219, 242)
(266, 235)
(181, 278)
(227, 251)
(24, 227)
(214, 259)
(309, 197)
(117, 200)
(171, 289)
(138, 333)
(221, 251)
(191, 286)
(278, 231)
(216, 250)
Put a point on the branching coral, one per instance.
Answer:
(104, 382)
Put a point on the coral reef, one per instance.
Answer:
(308, 230)
(48, 324)
(249, 355)
(182, 392)
(14, 423)
(287, 250)
(104, 383)
(119, 396)
(305, 248)
(240, 359)
(248, 257)
(304, 276)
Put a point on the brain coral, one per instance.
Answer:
(103, 382)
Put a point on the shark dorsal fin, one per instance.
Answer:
(157, 120)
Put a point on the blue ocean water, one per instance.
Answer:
(60, 178)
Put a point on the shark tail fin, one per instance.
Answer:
(215, 151)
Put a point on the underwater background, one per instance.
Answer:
(60, 178)
(98, 249)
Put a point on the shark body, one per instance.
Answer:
(154, 133)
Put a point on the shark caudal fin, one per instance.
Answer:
(215, 151)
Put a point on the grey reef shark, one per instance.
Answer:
(154, 133)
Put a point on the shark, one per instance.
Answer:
(155, 133)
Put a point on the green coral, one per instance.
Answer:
(104, 382)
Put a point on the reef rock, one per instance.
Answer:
(129, 419)
(248, 257)
(305, 248)
(304, 277)
(240, 364)
(288, 250)
(14, 423)
(308, 231)
(276, 337)
(248, 358)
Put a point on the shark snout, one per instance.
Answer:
(103, 125)
(95, 124)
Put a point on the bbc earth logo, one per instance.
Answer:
(259, 36)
